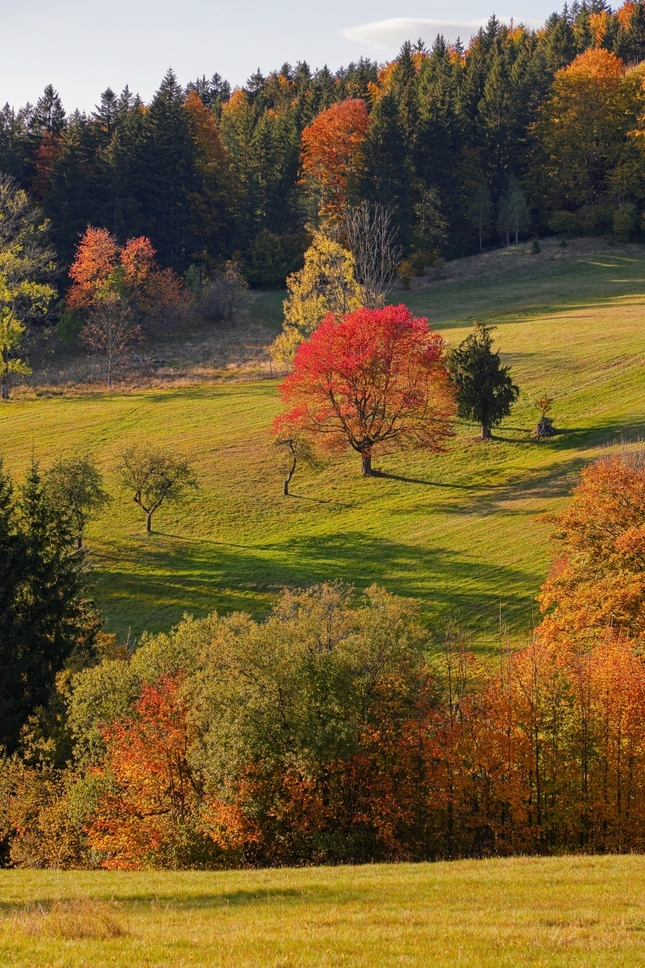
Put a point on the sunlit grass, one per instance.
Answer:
(576, 911)
(458, 531)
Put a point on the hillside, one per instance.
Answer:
(558, 912)
(458, 531)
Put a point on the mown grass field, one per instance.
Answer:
(458, 531)
(564, 912)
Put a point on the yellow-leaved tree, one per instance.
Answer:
(26, 266)
(326, 284)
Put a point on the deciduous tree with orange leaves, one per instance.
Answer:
(375, 381)
(102, 266)
(331, 152)
(148, 796)
(598, 579)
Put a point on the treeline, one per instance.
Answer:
(337, 731)
(523, 131)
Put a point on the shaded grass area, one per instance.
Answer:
(458, 531)
(266, 308)
(575, 911)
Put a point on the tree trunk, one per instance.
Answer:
(148, 521)
(5, 390)
(366, 464)
(486, 434)
(287, 480)
(79, 541)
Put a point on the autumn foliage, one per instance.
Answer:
(593, 104)
(131, 271)
(446, 758)
(147, 792)
(598, 577)
(331, 151)
(335, 731)
(374, 382)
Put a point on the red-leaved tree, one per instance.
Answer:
(376, 380)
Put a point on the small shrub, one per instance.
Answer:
(564, 223)
(597, 219)
(406, 271)
(226, 294)
(625, 222)
(535, 248)
(419, 260)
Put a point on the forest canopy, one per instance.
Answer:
(464, 146)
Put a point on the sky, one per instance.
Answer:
(84, 46)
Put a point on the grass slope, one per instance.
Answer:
(576, 911)
(458, 531)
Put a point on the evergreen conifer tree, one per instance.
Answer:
(386, 172)
(485, 392)
(167, 157)
(44, 613)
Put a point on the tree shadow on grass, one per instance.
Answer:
(277, 895)
(153, 583)
(198, 577)
(194, 900)
(385, 475)
(315, 500)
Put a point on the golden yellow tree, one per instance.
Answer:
(326, 284)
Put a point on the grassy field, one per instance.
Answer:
(565, 912)
(458, 531)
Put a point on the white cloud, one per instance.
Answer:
(390, 34)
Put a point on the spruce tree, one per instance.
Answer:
(168, 157)
(438, 136)
(49, 113)
(386, 175)
(485, 392)
(45, 616)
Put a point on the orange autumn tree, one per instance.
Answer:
(96, 258)
(598, 578)
(331, 152)
(583, 126)
(131, 272)
(210, 207)
(148, 796)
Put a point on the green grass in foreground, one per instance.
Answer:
(458, 531)
(565, 912)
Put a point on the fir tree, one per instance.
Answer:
(44, 613)
(485, 392)
(386, 175)
(168, 157)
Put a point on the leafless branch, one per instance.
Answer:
(372, 238)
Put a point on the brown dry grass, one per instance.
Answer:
(506, 261)
(71, 920)
(187, 351)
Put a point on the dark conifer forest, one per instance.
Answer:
(521, 133)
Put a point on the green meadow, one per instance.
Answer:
(458, 531)
(552, 913)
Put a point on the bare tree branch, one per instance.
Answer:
(372, 238)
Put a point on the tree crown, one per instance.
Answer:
(485, 392)
(377, 377)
